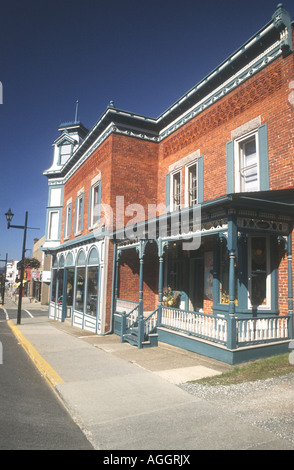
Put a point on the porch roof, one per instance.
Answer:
(273, 204)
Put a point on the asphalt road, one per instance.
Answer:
(31, 415)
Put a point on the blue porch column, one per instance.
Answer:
(290, 285)
(140, 312)
(232, 246)
(161, 247)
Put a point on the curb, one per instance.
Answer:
(46, 370)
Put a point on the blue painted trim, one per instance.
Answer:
(219, 352)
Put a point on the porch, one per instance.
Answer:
(229, 292)
(224, 338)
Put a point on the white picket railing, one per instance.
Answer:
(195, 323)
(248, 330)
(151, 322)
(262, 329)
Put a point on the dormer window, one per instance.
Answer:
(65, 151)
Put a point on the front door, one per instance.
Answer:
(196, 284)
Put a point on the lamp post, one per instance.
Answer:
(9, 215)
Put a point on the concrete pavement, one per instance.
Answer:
(127, 399)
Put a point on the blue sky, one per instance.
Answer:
(143, 55)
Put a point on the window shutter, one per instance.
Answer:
(167, 192)
(200, 181)
(263, 158)
(230, 167)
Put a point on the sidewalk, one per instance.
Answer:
(127, 399)
(27, 303)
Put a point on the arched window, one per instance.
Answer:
(69, 264)
(92, 282)
(80, 282)
(69, 260)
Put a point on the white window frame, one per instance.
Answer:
(55, 197)
(94, 187)
(79, 214)
(64, 156)
(237, 157)
(173, 205)
(67, 220)
(267, 306)
(52, 228)
(187, 186)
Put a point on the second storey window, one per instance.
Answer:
(79, 214)
(53, 225)
(191, 185)
(176, 191)
(247, 171)
(247, 159)
(67, 221)
(95, 204)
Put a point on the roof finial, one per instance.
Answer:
(77, 107)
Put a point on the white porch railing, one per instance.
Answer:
(245, 331)
(196, 323)
(262, 329)
(227, 330)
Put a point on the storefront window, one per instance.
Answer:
(224, 273)
(259, 272)
(92, 282)
(53, 285)
(60, 286)
(70, 279)
(80, 282)
(60, 280)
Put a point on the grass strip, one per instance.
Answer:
(260, 369)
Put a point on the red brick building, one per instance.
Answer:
(184, 222)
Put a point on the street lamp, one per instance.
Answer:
(9, 215)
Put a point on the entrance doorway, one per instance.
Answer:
(196, 284)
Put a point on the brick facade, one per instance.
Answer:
(133, 156)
